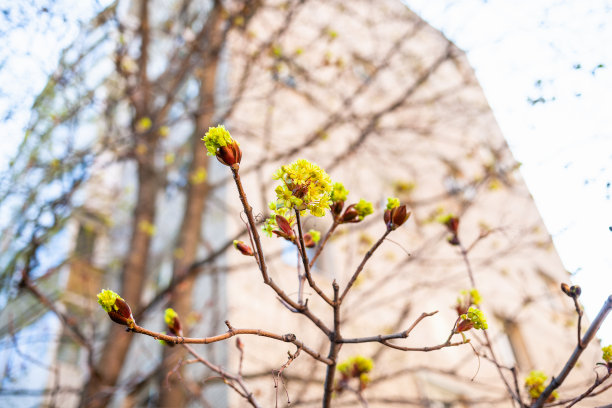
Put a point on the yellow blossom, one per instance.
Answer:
(607, 353)
(107, 299)
(169, 316)
(305, 186)
(215, 138)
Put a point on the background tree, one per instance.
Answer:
(364, 90)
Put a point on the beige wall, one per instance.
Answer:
(438, 134)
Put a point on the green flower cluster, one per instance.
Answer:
(477, 318)
(315, 235)
(107, 299)
(305, 186)
(471, 297)
(392, 202)
(607, 354)
(356, 366)
(169, 316)
(363, 208)
(534, 383)
(215, 138)
(339, 193)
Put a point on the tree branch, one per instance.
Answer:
(588, 336)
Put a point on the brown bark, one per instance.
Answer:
(99, 390)
(100, 387)
(172, 392)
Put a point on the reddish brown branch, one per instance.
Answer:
(323, 242)
(240, 387)
(303, 309)
(287, 338)
(304, 257)
(367, 256)
(382, 338)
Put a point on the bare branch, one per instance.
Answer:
(586, 339)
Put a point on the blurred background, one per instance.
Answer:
(452, 106)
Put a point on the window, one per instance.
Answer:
(84, 279)
(513, 338)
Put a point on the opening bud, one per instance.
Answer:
(219, 143)
(350, 214)
(336, 208)
(243, 248)
(395, 217)
(229, 155)
(173, 322)
(575, 291)
(117, 308)
(285, 228)
(566, 289)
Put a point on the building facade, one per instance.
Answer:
(390, 108)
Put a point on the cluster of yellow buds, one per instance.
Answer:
(466, 299)
(607, 355)
(473, 318)
(470, 316)
(305, 186)
(355, 367)
(535, 386)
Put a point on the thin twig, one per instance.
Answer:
(229, 379)
(367, 256)
(381, 338)
(464, 254)
(588, 336)
(323, 243)
(334, 348)
(580, 313)
(304, 256)
(597, 383)
(303, 309)
(287, 338)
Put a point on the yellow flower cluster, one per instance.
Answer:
(169, 316)
(363, 209)
(534, 383)
(392, 202)
(215, 138)
(107, 299)
(315, 235)
(305, 186)
(471, 297)
(607, 353)
(355, 366)
(339, 193)
(476, 317)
